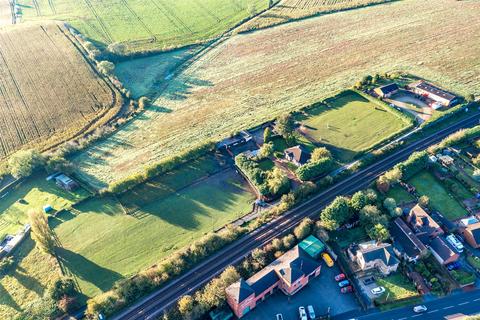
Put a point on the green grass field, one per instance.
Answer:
(34, 192)
(346, 237)
(145, 25)
(101, 244)
(440, 199)
(349, 123)
(398, 287)
(400, 195)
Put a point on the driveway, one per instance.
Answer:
(322, 293)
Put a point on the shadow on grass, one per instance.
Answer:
(7, 300)
(29, 282)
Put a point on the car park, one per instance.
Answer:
(311, 312)
(279, 316)
(302, 314)
(454, 265)
(378, 290)
(419, 309)
(328, 260)
(340, 277)
(368, 281)
(453, 240)
(346, 289)
(343, 283)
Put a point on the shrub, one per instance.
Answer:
(106, 67)
(24, 162)
(304, 229)
(314, 169)
(62, 287)
(336, 213)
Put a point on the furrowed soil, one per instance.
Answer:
(254, 77)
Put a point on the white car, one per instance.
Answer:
(455, 243)
(302, 313)
(419, 309)
(278, 316)
(311, 312)
(378, 290)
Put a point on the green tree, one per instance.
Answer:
(213, 294)
(285, 125)
(304, 229)
(320, 153)
(378, 232)
(277, 182)
(358, 201)
(370, 216)
(312, 170)
(267, 135)
(106, 67)
(336, 213)
(266, 151)
(41, 232)
(185, 306)
(390, 204)
(62, 287)
(424, 201)
(23, 163)
(383, 184)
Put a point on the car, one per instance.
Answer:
(419, 309)
(340, 277)
(368, 281)
(453, 240)
(328, 260)
(278, 316)
(311, 312)
(343, 283)
(377, 290)
(454, 265)
(346, 289)
(302, 313)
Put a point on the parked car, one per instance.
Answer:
(311, 312)
(454, 265)
(328, 260)
(453, 240)
(343, 283)
(302, 313)
(368, 281)
(377, 290)
(340, 277)
(419, 309)
(279, 316)
(346, 289)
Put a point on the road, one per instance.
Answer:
(154, 304)
(467, 303)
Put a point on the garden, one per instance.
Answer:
(398, 289)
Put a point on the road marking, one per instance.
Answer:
(477, 299)
(417, 315)
(433, 311)
(461, 304)
(402, 318)
(449, 307)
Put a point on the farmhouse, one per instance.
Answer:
(440, 97)
(297, 155)
(386, 91)
(471, 233)
(421, 222)
(65, 182)
(405, 243)
(371, 255)
(289, 273)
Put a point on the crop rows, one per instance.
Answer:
(46, 87)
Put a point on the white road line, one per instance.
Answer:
(402, 318)
(478, 299)
(449, 307)
(417, 315)
(466, 302)
(433, 311)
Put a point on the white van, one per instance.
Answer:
(455, 242)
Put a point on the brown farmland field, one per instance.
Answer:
(253, 77)
(48, 91)
(288, 10)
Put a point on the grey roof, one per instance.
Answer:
(301, 264)
(386, 89)
(382, 252)
(405, 237)
(441, 248)
(430, 88)
(266, 281)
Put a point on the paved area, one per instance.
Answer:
(408, 102)
(322, 293)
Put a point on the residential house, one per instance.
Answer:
(421, 222)
(471, 233)
(65, 182)
(442, 251)
(387, 91)
(373, 255)
(405, 243)
(439, 96)
(297, 155)
(289, 273)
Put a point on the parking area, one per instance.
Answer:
(410, 103)
(322, 293)
(367, 285)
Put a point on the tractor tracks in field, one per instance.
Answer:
(105, 31)
(140, 20)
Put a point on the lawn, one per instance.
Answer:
(101, 244)
(35, 193)
(397, 287)
(350, 123)
(346, 237)
(440, 199)
(27, 280)
(145, 25)
(400, 195)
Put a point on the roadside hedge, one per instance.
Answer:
(312, 170)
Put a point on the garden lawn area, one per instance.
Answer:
(350, 123)
(102, 244)
(397, 287)
(440, 199)
(35, 192)
(474, 261)
(400, 195)
(27, 279)
(463, 277)
(346, 237)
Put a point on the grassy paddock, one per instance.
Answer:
(102, 244)
(400, 195)
(440, 199)
(397, 288)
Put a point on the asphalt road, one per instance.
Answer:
(467, 303)
(154, 304)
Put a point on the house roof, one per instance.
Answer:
(474, 229)
(422, 221)
(430, 88)
(379, 251)
(239, 290)
(441, 248)
(406, 239)
(312, 246)
(64, 179)
(389, 88)
(264, 282)
(299, 153)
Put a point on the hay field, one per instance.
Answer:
(253, 77)
(48, 91)
(145, 24)
(288, 10)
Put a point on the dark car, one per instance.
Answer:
(346, 289)
(340, 277)
(368, 281)
(454, 266)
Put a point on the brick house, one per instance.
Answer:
(471, 233)
(298, 155)
(405, 243)
(421, 222)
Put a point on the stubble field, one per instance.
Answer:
(252, 78)
(47, 89)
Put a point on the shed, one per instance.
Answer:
(47, 208)
(312, 246)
